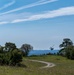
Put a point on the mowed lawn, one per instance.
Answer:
(63, 66)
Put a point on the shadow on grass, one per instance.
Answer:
(22, 65)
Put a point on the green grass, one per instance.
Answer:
(63, 67)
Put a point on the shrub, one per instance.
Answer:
(70, 52)
(10, 55)
(15, 57)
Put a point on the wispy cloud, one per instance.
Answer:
(41, 2)
(49, 14)
(10, 17)
(45, 15)
(7, 5)
(4, 22)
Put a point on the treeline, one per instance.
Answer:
(11, 55)
(67, 48)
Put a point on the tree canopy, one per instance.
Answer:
(66, 42)
(10, 55)
(10, 46)
(67, 48)
(26, 48)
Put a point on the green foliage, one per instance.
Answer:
(67, 48)
(1, 49)
(10, 46)
(15, 57)
(62, 52)
(70, 52)
(66, 42)
(63, 66)
(10, 55)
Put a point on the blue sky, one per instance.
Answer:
(41, 23)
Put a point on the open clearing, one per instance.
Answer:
(63, 66)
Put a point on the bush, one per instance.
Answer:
(70, 52)
(62, 52)
(67, 52)
(13, 56)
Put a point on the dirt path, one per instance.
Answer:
(48, 64)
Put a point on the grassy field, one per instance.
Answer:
(63, 67)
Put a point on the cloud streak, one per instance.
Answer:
(4, 22)
(7, 5)
(45, 15)
(49, 14)
(41, 2)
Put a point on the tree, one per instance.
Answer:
(10, 55)
(10, 46)
(66, 42)
(67, 48)
(26, 48)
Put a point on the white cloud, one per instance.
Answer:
(12, 18)
(41, 2)
(4, 22)
(49, 14)
(7, 5)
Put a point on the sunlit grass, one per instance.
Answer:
(63, 67)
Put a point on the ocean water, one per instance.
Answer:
(41, 52)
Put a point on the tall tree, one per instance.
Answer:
(26, 48)
(67, 48)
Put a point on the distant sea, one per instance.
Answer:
(41, 52)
